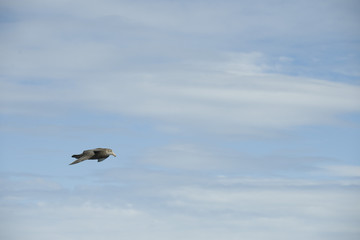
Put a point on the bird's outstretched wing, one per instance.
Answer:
(84, 156)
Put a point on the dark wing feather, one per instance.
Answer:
(84, 156)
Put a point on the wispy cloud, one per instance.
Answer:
(222, 207)
(343, 170)
(144, 60)
(236, 102)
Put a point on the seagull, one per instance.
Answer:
(98, 153)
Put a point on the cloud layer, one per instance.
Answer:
(230, 208)
(225, 101)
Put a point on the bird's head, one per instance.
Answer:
(110, 152)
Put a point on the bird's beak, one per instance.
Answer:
(114, 154)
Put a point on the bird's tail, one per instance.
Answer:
(76, 156)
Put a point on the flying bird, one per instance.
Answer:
(92, 154)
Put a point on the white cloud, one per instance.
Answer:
(343, 170)
(222, 159)
(202, 207)
(103, 58)
(186, 157)
(268, 18)
(305, 210)
(72, 222)
(228, 103)
(246, 100)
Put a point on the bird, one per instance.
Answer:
(99, 154)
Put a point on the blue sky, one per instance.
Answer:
(230, 119)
